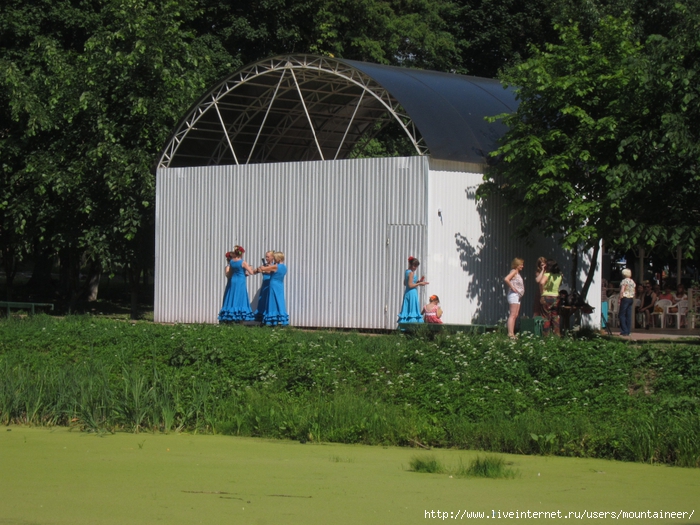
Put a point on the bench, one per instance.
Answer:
(18, 305)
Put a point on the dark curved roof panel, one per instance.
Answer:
(449, 110)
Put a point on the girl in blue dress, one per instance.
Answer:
(265, 287)
(236, 305)
(411, 309)
(275, 313)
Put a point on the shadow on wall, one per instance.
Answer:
(471, 258)
(486, 259)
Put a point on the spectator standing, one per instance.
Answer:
(551, 282)
(541, 268)
(516, 290)
(627, 291)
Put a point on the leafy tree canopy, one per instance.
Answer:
(91, 92)
(604, 144)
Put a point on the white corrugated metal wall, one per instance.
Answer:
(332, 219)
(471, 246)
(347, 228)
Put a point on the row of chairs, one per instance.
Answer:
(664, 315)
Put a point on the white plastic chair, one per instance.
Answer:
(664, 304)
(682, 306)
(613, 311)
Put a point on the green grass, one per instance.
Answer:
(490, 466)
(427, 464)
(569, 397)
(487, 467)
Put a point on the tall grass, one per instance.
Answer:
(487, 467)
(428, 464)
(483, 392)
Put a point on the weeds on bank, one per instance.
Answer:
(582, 397)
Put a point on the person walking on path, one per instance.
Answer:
(516, 286)
(410, 308)
(236, 304)
(627, 292)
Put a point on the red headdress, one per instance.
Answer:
(410, 258)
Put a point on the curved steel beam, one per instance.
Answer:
(345, 76)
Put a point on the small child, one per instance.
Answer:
(432, 311)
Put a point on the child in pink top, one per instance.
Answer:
(432, 311)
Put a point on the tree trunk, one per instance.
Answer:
(92, 282)
(70, 276)
(134, 274)
(574, 269)
(9, 262)
(589, 277)
(40, 283)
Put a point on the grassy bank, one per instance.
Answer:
(591, 398)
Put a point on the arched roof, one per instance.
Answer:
(306, 107)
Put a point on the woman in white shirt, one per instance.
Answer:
(516, 290)
(627, 293)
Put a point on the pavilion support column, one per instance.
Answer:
(679, 260)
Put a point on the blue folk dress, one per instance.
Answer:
(263, 297)
(236, 305)
(275, 313)
(410, 309)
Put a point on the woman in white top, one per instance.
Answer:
(516, 290)
(627, 292)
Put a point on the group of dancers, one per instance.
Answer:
(411, 311)
(271, 309)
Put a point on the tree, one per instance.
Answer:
(662, 147)
(493, 34)
(605, 127)
(560, 154)
(88, 115)
(399, 32)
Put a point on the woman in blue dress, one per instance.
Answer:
(265, 286)
(236, 305)
(275, 313)
(411, 308)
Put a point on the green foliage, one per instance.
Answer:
(90, 93)
(606, 120)
(559, 153)
(588, 398)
